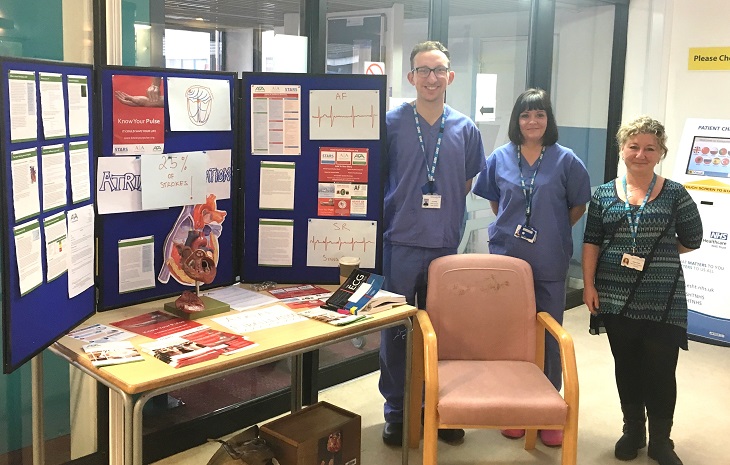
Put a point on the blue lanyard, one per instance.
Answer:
(528, 191)
(634, 220)
(430, 171)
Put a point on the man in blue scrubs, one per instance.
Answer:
(433, 152)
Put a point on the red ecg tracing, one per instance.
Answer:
(319, 116)
(340, 243)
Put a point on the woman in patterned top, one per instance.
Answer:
(634, 287)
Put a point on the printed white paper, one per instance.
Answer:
(78, 105)
(24, 169)
(53, 165)
(22, 103)
(276, 121)
(256, 320)
(136, 264)
(53, 105)
(276, 242)
(78, 155)
(276, 185)
(56, 245)
(80, 225)
(28, 255)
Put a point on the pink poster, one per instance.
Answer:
(138, 122)
(343, 165)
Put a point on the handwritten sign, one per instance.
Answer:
(173, 179)
(328, 240)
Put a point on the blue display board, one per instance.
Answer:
(160, 223)
(336, 117)
(34, 320)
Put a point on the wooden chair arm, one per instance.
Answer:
(424, 368)
(430, 355)
(567, 359)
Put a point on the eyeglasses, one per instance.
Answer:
(424, 71)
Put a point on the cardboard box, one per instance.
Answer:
(319, 434)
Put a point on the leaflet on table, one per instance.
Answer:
(99, 333)
(239, 298)
(256, 320)
(224, 343)
(179, 352)
(333, 318)
(156, 324)
(112, 353)
(355, 293)
(301, 297)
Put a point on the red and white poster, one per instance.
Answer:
(343, 177)
(138, 115)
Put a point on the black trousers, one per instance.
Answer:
(645, 364)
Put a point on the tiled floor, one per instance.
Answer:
(702, 419)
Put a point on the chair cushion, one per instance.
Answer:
(497, 393)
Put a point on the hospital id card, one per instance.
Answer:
(431, 201)
(632, 261)
(526, 233)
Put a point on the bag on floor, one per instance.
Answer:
(245, 448)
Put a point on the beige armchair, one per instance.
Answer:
(480, 350)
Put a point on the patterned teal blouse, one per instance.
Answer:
(656, 293)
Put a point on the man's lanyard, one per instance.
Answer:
(528, 190)
(634, 220)
(430, 171)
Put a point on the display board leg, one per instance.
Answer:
(297, 367)
(39, 444)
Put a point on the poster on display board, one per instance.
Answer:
(703, 167)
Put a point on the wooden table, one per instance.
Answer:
(137, 382)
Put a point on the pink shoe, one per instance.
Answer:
(551, 437)
(513, 433)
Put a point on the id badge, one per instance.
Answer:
(431, 201)
(632, 261)
(526, 233)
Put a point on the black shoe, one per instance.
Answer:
(663, 453)
(393, 434)
(452, 436)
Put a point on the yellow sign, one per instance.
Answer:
(709, 58)
(708, 185)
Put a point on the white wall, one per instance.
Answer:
(658, 82)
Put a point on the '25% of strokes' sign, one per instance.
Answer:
(173, 179)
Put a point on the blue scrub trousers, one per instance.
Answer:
(550, 298)
(406, 271)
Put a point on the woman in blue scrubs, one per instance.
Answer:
(538, 189)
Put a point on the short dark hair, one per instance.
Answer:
(533, 99)
(427, 47)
